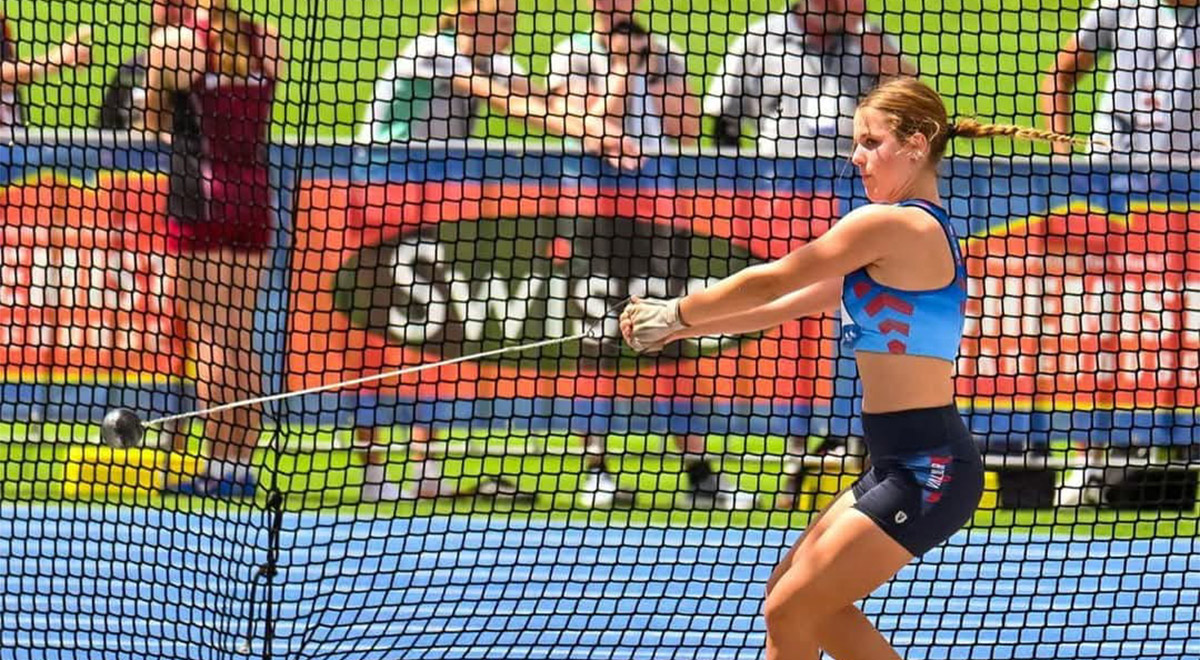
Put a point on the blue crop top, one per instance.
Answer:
(881, 319)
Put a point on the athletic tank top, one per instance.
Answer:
(882, 319)
(220, 187)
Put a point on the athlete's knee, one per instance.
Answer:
(787, 627)
(791, 616)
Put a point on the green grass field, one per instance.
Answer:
(329, 480)
(984, 55)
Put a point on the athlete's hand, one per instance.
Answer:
(648, 325)
(627, 334)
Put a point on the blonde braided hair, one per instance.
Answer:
(914, 107)
(970, 128)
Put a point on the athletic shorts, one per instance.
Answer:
(926, 475)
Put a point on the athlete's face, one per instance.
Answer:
(888, 166)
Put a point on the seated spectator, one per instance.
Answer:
(72, 52)
(796, 78)
(640, 78)
(416, 99)
(1149, 103)
(437, 87)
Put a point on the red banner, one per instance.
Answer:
(1085, 309)
(83, 291)
(338, 224)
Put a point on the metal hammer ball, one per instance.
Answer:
(121, 429)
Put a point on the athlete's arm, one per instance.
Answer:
(817, 298)
(176, 58)
(862, 237)
(73, 51)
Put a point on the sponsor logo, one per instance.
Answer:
(476, 285)
(1083, 308)
(900, 517)
(938, 476)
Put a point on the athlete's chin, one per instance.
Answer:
(877, 193)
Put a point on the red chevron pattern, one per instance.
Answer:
(897, 347)
(892, 325)
(888, 300)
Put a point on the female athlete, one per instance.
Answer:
(895, 268)
(210, 81)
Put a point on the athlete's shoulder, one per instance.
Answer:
(871, 213)
(889, 220)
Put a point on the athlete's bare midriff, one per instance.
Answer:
(904, 382)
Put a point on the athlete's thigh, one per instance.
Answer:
(815, 529)
(848, 561)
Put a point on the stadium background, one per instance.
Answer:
(984, 56)
(1072, 581)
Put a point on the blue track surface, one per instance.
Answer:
(108, 583)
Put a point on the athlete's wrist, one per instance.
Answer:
(679, 312)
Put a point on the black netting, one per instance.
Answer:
(308, 246)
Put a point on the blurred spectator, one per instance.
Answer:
(416, 98)
(1149, 103)
(797, 77)
(640, 78)
(704, 486)
(125, 97)
(209, 84)
(72, 52)
(437, 86)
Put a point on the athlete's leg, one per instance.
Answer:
(219, 289)
(811, 533)
(812, 604)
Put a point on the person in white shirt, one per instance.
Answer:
(640, 78)
(415, 99)
(438, 86)
(797, 76)
(1149, 103)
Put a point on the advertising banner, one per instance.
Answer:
(84, 292)
(393, 275)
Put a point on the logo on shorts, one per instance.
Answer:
(901, 517)
(938, 476)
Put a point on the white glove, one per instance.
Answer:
(651, 323)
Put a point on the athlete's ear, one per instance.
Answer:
(917, 147)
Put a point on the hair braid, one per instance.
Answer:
(970, 128)
(912, 107)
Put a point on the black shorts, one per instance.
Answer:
(926, 475)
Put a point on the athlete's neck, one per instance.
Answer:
(925, 187)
